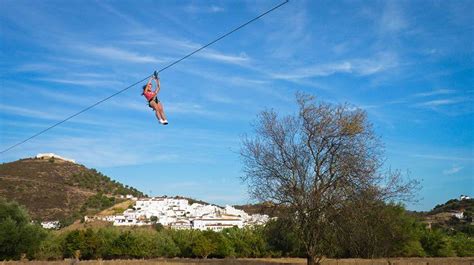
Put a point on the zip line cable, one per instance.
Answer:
(134, 84)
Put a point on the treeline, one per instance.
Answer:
(397, 234)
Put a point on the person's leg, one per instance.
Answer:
(155, 107)
(161, 110)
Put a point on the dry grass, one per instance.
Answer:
(284, 261)
(119, 206)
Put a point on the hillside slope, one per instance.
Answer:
(55, 189)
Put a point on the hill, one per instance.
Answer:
(55, 189)
(465, 205)
(443, 216)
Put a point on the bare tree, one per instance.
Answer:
(313, 163)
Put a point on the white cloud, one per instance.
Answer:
(290, 32)
(36, 67)
(435, 92)
(452, 170)
(189, 108)
(216, 9)
(440, 102)
(82, 82)
(225, 58)
(114, 53)
(54, 114)
(443, 157)
(28, 112)
(192, 8)
(393, 19)
(360, 67)
(218, 98)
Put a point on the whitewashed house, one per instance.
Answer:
(52, 155)
(178, 214)
(457, 214)
(50, 224)
(216, 224)
(181, 224)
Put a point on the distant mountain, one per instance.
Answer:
(55, 189)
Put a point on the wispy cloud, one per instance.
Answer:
(28, 112)
(452, 170)
(68, 98)
(53, 114)
(191, 109)
(119, 54)
(435, 92)
(193, 8)
(119, 14)
(289, 34)
(440, 102)
(442, 157)
(225, 58)
(393, 18)
(361, 67)
(36, 67)
(218, 98)
(82, 82)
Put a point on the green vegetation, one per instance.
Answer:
(385, 230)
(450, 223)
(17, 235)
(97, 203)
(94, 180)
(92, 205)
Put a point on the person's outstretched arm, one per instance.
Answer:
(157, 85)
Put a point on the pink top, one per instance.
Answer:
(149, 95)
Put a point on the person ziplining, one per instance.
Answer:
(154, 103)
(152, 98)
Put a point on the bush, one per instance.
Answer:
(17, 235)
(436, 244)
(51, 248)
(462, 245)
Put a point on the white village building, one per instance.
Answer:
(50, 224)
(52, 155)
(179, 214)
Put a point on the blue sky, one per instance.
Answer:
(409, 64)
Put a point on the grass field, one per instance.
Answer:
(392, 261)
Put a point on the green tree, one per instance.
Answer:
(17, 235)
(107, 236)
(463, 245)
(184, 241)
(282, 239)
(51, 248)
(370, 228)
(223, 245)
(73, 242)
(163, 245)
(247, 242)
(436, 243)
(203, 246)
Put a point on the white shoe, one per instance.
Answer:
(165, 122)
(162, 121)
